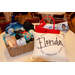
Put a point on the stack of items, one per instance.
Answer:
(17, 38)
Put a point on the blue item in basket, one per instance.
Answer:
(27, 36)
(13, 26)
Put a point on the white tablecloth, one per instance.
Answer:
(5, 57)
(52, 13)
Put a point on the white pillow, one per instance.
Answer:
(49, 47)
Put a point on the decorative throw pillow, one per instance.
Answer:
(49, 47)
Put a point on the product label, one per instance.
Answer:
(10, 30)
(11, 41)
(21, 41)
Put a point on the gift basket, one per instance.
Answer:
(17, 39)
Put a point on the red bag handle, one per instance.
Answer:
(51, 18)
(39, 28)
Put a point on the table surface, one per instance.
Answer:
(51, 12)
(5, 57)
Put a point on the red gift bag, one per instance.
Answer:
(39, 28)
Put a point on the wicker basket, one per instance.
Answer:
(14, 51)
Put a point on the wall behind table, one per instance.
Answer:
(3, 25)
(7, 15)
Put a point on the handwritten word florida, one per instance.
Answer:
(50, 42)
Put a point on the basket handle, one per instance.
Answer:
(51, 18)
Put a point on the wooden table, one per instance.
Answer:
(0, 30)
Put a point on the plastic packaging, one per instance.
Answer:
(4, 38)
(60, 26)
(27, 36)
(15, 26)
(21, 41)
(11, 40)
